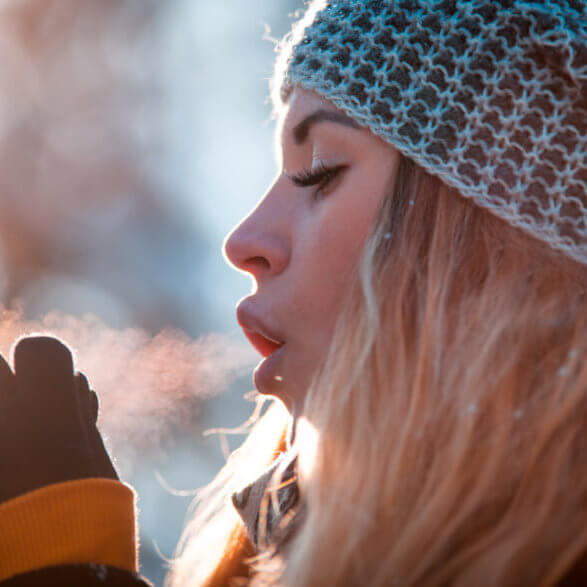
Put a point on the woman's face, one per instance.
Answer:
(302, 242)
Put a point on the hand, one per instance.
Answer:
(48, 416)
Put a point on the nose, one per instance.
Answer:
(259, 244)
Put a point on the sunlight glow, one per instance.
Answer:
(307, 437)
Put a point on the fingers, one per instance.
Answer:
(6, 376)
(43, 353)
(104, 466)
(94, 406)
(90, 405)
(7, 398)
(44, 377)
(49, 433)
(88, 398)
(12, 452)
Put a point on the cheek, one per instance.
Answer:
(327, 264)
(326, 249)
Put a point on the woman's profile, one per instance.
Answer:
(420, 268)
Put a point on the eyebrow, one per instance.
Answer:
(302, 129)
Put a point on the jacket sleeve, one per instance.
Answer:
(66, 525)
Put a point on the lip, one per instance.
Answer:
(264, 340)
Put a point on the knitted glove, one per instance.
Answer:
(48, 415)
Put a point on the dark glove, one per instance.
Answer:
(48, 416)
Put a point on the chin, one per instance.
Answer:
(270, 385)
(283, 376)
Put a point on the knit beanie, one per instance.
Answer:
(488, 95)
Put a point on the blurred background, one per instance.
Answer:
(134, 134)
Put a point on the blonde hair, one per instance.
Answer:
(214, 549)
(444, 434)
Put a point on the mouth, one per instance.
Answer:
(264, 346)
(261, 338)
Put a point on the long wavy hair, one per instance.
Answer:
(443, 439)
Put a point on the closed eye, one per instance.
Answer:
(320, 176)
(315, 176)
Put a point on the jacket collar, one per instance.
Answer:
(268, 505)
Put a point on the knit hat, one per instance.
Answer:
(488, 95)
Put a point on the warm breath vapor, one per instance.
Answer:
(148, 385)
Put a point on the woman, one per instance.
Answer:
(420, 306)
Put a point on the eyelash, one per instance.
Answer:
(319, 176)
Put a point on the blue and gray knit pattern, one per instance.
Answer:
(488, 95)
